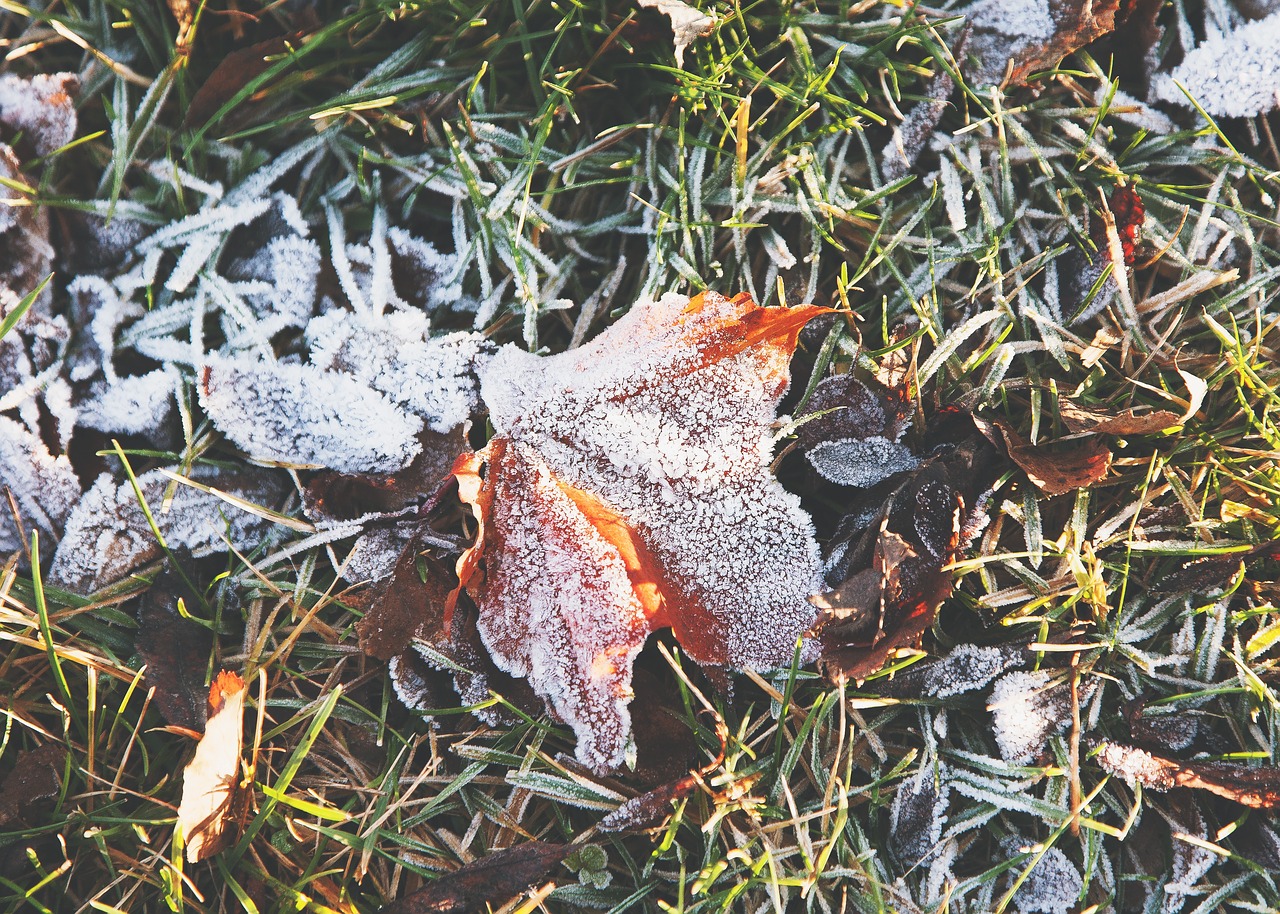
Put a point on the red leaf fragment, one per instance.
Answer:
(487, 883)
(1126, 210)
(628, 490)
(1254, 786)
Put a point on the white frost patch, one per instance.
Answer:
(1232, 75)
(46, 487)
(133, 405)
(861, 462)
(1016, 18)
(41, 107)
(1025, 712)
(393, 353)
(967, 668)
(300, 415)
(1053, 885)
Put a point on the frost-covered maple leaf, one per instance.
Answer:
(628, 490)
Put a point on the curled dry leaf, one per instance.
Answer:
(628, 490)
(687, 22)
(1055, 469)
(211, 788)
(1127, 422)
(1256, 786)
(487, 883)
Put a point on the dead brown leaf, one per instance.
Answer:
(1055, 469)
(1127, 422)
(486, 883)
(211, 788)
(889, 603)
(175, 650)
(36, 774)
(1256, 786)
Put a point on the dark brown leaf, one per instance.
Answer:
(491, 881)
(1212, 572)
(407, 604)
(35, 775)
(236, 70)
(1256, 786)
(1055, 469)
(890, 601)
(175, 650)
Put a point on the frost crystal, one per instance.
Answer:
(918, 815)
(1053, 886)
(861, 462)
(1232, 75)
(1025, 712)
(107, 535)
(630, 490)
(46, 487)
(132, 406)
(300, 415)
(41, 108)
(966, 669)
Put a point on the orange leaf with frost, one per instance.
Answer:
(627, 490)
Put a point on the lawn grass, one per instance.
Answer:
(558, 149)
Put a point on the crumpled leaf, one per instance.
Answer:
(486, 883)
(1054, 470)
(361, 403)
(1126, 422)
(1015, 39)
(854, 438)
(628, 490)
(211, 787)
(1257, 786)
(107, 535)
(890, 601)
(687, 22)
